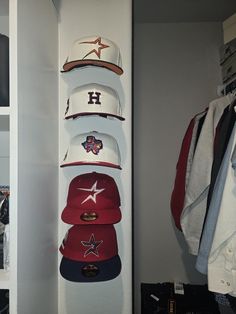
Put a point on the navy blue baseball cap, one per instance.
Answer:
(90, 272)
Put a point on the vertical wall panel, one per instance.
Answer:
(110, 19)
(37, 133)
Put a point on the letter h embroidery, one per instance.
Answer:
(94, 98)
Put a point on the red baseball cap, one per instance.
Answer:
(90, 253)
(93, 198)
(90, 243)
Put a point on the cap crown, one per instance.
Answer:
(94, 50)
(90, 243)
(93, 191)
(93, 148)
(93, 99)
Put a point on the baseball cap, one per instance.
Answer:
(94, 51)
(93, 198)
(92, 148)
(90, 272)
(90, 253)
(93, 99)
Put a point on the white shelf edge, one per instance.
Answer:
(4, 279)
(4, 111)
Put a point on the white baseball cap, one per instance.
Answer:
(93, 148)
(93, 99)
(96, 51)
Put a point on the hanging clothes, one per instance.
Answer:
(222, 257)
(183, 166)
(223, 134)
(211, 220)
(192, 216)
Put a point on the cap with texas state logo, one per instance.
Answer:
(93, 198)
(94, 51)
(90, 254)
(93, 148)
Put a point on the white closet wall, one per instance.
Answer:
(112, 20)
(4, 22)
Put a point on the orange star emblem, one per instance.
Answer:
(98, 47)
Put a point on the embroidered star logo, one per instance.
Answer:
(98, 46)
(93, 246)
(94, 192)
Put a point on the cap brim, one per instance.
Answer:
(107, 270)
(104, 115)
(104, 216)
(94, 163)
(68, 66)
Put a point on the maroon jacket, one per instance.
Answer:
(178, 193)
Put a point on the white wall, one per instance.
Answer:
(4, 25)
(35, 134)
(80, 19)
(176, 73)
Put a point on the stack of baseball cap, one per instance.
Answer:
(93, 148)
(89, 249)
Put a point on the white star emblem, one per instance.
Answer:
(94, 192)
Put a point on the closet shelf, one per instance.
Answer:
(4, 280)
(4, 111)
(4, 118)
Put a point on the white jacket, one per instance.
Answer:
(193, 214)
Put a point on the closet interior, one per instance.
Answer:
(178, 72)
